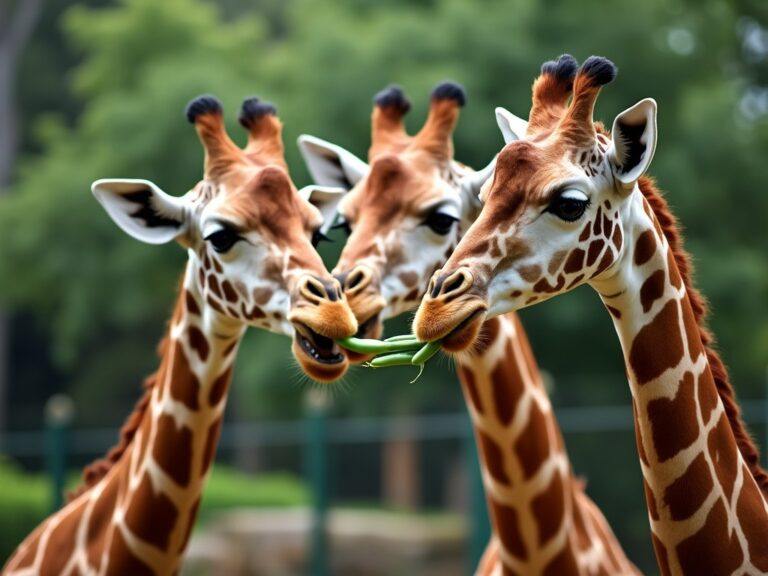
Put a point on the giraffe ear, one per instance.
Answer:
(512, 127)
(331, 165)
(141, 209)
(326, 199)
(472, 185)
(634, 142)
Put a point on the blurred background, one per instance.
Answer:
(97, 88)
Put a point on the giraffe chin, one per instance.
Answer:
(319, 356)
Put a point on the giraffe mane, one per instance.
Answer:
(671, 229)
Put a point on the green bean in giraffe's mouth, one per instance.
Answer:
(403, 350)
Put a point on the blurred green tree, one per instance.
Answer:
(97, 299)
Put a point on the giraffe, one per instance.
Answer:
(405, 214)
(247, 231)
(568, 204)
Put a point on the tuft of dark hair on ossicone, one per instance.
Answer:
(205, 104)
(450, 91)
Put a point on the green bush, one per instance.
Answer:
(25, 498)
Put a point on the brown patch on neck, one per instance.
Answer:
(668, 224)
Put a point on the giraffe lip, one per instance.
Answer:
(318, 347)
(466, 322)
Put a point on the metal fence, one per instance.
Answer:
(315, 433)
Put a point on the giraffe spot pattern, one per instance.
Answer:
(650, 499)
(575, 261)
(605, 262)
(61, 541)
(548, 509)
(598, 224)
(652, 289)
(695, 552)
(123, 561)
(219, 387)
(707, 392)
(753, 520)
(693, 336)
(585, 233)
(151, 515)
(674, 273)
(615, 312)
(507, 384)
(557, 260)
(649, 360)
(724, 453)
(689, 491)
(190, 525)
(618, 237)
(198, 342)
(100, 523)
(595, 247)
(255, 313)
(191, 303)
(211, 441)
(529, 273)
(543, 285)
(217, 265)
(492, 457)
(184, 385)
(175, 455)
(213, 284)
(506, 523)
(215, 305)
(639, 437)
(262, 295)
(673, 422)
(563, 563)
(469, 385)
(409, 278)
(662, 556)
(644, 248)
(575, 281)
(532, 445)
(230, 294)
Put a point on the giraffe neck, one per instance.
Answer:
(138, 518)
(543, 520)
(707, 513)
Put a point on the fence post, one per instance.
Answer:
(59, 411)
(479, 525)
(316, 459)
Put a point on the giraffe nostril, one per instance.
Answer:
(315, 289)
(452, 285)
(354, 279)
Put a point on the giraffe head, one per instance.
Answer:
(405, 209)
(249, 235)
(554, 211)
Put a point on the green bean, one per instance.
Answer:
(426, 352)
(371, 346)
(397, 359)
(402, 338)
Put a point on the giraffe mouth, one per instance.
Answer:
(371, 328)
(318, 347)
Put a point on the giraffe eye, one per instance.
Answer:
(222, 240)
(569, 205)
(440, 222)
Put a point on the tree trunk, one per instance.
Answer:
(17, 20)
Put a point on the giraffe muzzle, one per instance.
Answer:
(451, 311)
